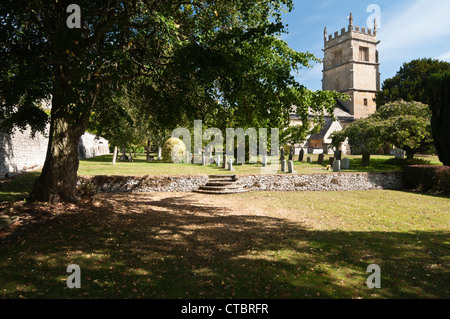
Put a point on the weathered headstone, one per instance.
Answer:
(230, 165)
(331, 160)
(320, 160)
(301, 155)
(218, 160)
(264, 161)
(188, 157)
(291, 153)
(203, 159)
(159, 153)
(291, 167)
(225, 162)
(338, 155)
(399, 153)
(283, 165)
(336, 165)
(345, 163)
(309, 159)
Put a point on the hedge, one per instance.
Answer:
(428, 178)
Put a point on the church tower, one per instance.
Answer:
(351, 66)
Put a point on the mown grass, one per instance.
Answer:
(102, 165)
(253, 245)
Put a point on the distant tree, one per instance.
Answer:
(363, 136)
(409, 83)
(405, 125)
(440, 118)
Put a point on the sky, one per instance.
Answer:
(407, 30)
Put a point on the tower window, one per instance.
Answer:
(337, 57)
(363, 54)
(365, 102)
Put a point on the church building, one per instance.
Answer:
(350, 66)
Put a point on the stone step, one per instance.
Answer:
(222, 177)
(217, 187)
(220, 183)
(221, 192)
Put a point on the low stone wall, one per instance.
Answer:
(163, 183)
(278, 182)
(322, 182)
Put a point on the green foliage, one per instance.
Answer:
(406, 161)
(440, 119)
(410, 81)
(427, 178)
(406, 125)
(173, 151)
(363, 136)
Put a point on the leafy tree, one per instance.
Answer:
(409, 83)
(186, 54)
(363, 135)
(440, 119)
(406, 125)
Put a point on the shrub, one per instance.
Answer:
(405, 161)
(427, 178)
(173, 150)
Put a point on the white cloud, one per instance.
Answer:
(420, 25)
(444, 56)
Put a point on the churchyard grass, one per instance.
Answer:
(252, 245)
(102, 166)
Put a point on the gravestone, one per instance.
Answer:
(291, 153)
(230, 165)
(225, 162)
(188, 157)
(331, 160)
(264, 161)
(336, 165)
(320, 160)
(301, 155)
(283, 166)
(309, 159)
(218, 160)
(399, 153)
(338, 155)
(159, 153)
(282, 154)
(291, 167)
(345, 163)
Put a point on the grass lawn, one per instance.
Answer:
(252, 245)
(102, 166)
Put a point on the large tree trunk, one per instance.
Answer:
(58, 179)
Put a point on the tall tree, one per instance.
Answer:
(409, 83)
(189, 54)
(440, 119)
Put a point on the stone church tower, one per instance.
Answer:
(351, 66)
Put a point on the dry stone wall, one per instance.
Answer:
(279, 182)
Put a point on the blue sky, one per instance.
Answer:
(407, 30)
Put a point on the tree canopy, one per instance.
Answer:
(405, 125)
(409, 83)
(219, 61)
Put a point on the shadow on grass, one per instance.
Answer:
(18, 187)
(133, 247)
